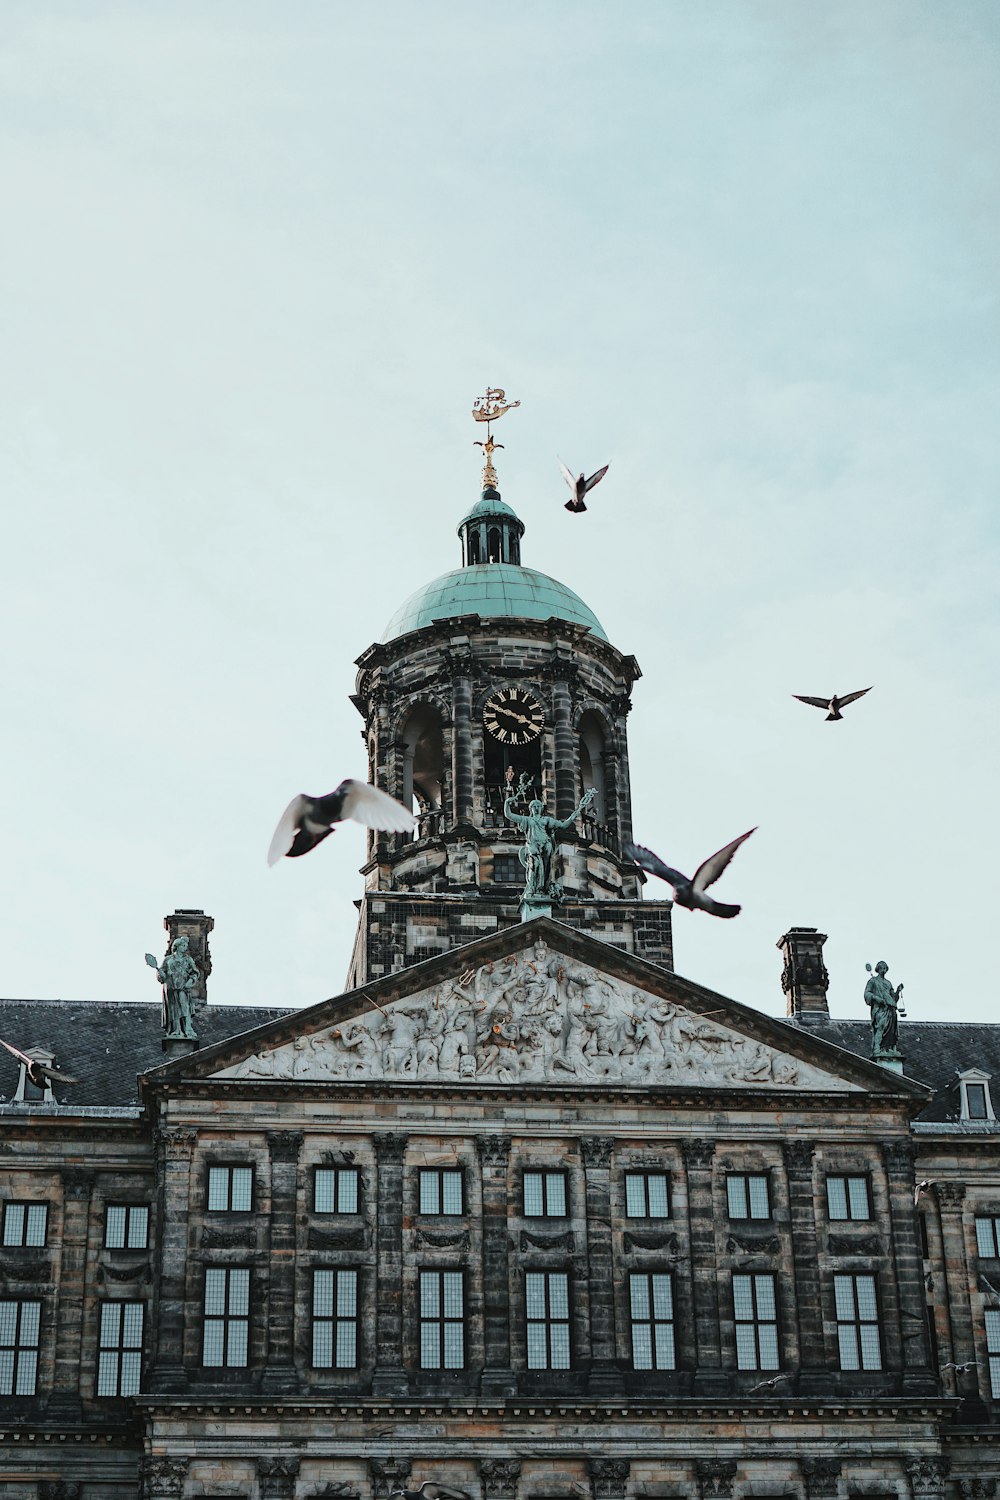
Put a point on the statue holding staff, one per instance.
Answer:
(886, 1008)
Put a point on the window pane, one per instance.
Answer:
(454, 1352)
(107, 1375)
(995, 1377)
(218, 1188)
(131, 1372)
(215, 1293)
(642, 1347)
(347, 1294)
(132, 1325)
(430, 1202)
(532, 1194)
(37, 1215)
(759, 1206)
(984, 1238)
(560, 1346)
(8, 1322)
(237, 1354)
(635, 1197)
(639, 1294)
(848, 1341)
(242, 1189)
(976, 1095)
(736, 1189)
(858, 1189)
(430, 1346)
(322, 1355)
(767, 1336)
(665, 1358)
(30, 1314)
(453, 1294)
(451, 1186)
(138, 1227)
(659, 1203)
(836, 1198)
(322, 1294)
(323, 1191)
(536, 1346)
(556, 1192)
(534, 1294)
(347, 1345)
(212, 1343)
(843, 1291)
(6, 1372)
(867, 1305)
(765, 1296)
(430, 1296)
(239, 1292)
(663, 1298)
(993, 1330)
(742, 1297)
(13, 1224)
(26, 1368)
(114, 1227)
(111, 1317)
(871, 1354)
(746, 1347)
(559, 1295)
(347, 1190)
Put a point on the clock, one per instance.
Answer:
(513, 716)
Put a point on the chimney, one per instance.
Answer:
(193, 924)
(804, 978)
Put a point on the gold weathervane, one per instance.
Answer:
(490, 408)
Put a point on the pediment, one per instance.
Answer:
(539, 1015)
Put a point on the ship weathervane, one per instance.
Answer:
(490, 408)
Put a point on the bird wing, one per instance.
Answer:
(288, 826)
(596, 478)
(569, 478)
(851, 697)
(16, 1052)
(713, 907)
(647, 860)
(816, 702)
(708, 873)
(374, 808)
(431, 1490)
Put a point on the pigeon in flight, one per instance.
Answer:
(691, 893)
(37, 1071)
(769, 1385)
(579, 485)
(306, 821)
(431, 1490)
(920, 1189)
(832, 705)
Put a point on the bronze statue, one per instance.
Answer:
(539, 847)
(179, 976)
(886, 1009)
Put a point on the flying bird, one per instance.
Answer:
(969, 1365)
(37, 1071)
(769, 1385)
(988, 1287)
(691, 893)
(832, 705)
(579, 485)
(920, 1189)
(307, 821)
(431, 1490)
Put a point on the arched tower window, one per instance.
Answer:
(491, 533)
(422, 747)
(591, 748)
(474, 556)
(494, 545)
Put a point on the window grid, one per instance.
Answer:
(547, 1319)
(651, 1303)
(756, 1312)
(226, 1336)
(749, 1195)
(545, 1195)
(988, 1237)
(975, 1095)
(993, 1349)
(440, 1191)
(336, 1190)
(19, 1323)
(848, 1198)
(230, 1190)
(507, 869)
(119, 1355)
(335, 1320)
(647, 1195)
(857, 1322)
(126, 1226)
(442, 1320)
(25, 1223)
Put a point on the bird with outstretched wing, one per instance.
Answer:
(37, 1071)
(580, 485)
(832, 705)
(690, 892)
(307, 821)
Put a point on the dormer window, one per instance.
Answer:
(28, 1091)
(976, 1101)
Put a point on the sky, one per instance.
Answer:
(258, 261)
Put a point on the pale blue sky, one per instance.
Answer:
(257, 262)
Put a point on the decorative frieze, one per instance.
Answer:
(754, 1244)
(845, 1244)
(715, 1477)
(163, 1478)
(950, 1195)
(388, 1474)
(494, 1150)
(277, 1477)
(284, 1145)
(443, 1239)
(608, 1477)
(499, 1477)
(353, 1238)
(927, 1475)
(648, 1239)
(239, 1237)
(562, 1241)
(596, 1151)
(77, 1182)
(821, 1475)
(698, 1154)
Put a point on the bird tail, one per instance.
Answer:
(304, 841)
(575, 505)
(833, 716)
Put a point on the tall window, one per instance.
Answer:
(756, 1316)
(749, 1195)
(119, 1355)
(547, 1310)
(993, 1349)
(442, 1320)
(440, 1190)
(25, 1223)
(19, 1347)
(987, 1237)
(226, 1334)
(335, 1320)
(857, 1322)
(230, 1189)
(126, 1226)
(847, 1198)
(647, 1195)
(651, 1302)
(336, 1190)
(545, 1195)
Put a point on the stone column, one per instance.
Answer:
(822, 1477)
(804, 978)
(280, 1374)
(620, 706)
(497, 1378)
(715, 1477)
(612, 810)
(388, 1474)
(499, 1478)
(192, 923)
(389, 1378)
(608, 1477)
(596, 1152)
(709, 1376)
(461, 752)
(927, 1477)
(918, 1378)
(176, 1148)
(162, 1478)
(64, 1403)
(277, 1477)
(812, 1363)
(565, 749)
(951, 1203)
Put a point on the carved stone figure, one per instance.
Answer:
(539, 848)
(179, 976)
(884, 1003)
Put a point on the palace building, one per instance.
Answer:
(522, 1211)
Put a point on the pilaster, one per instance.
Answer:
(497, 1377)
(596, 1152)
(176, 1149)
(918, 1378)
(280, 1374)
(822, 1477)
(709, 1377)
(389, 1378)
(799, 1172)
(64, 1403)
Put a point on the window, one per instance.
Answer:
(547, 1311)
(336, 1190)
(119, 1355)
(975, 1090)
(987, 1238)
(993, 1350)
(756, 1314)
(19, 1347)
(25, 1223)
(651, 1300)
(442, 1320)
(507, 869)
(647, 1195)
(975, 1094)
(749, 1196)
(440, 1191)
(126, 1226)
(227, 1316)
(545, 1195)
(848, 1198)
(335, 1320)
(857, 1322)
(230, 1189)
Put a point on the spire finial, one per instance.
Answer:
(490, 408)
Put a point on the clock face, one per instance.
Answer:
(513, 716)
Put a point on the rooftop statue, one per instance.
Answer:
(538, 852)
(179, 976)
(886, 1009)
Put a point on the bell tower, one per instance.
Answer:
(493, 676)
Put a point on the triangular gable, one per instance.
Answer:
(544, 1005)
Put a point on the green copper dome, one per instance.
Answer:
(492, 589)
(490, 505)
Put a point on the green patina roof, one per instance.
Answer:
(492, 589)
(491, 505)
